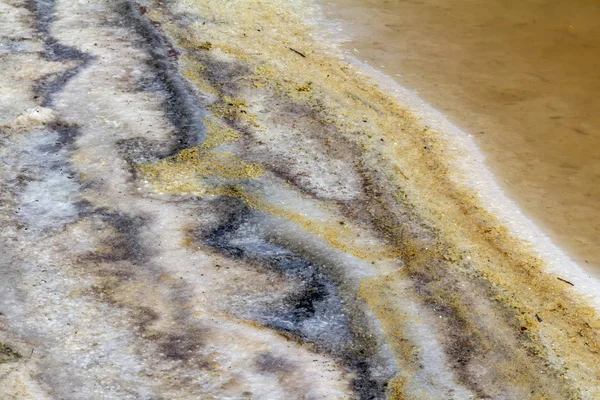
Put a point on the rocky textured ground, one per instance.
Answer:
(200, 201)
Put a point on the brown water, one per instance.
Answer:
(523, 76)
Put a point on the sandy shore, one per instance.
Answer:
(201, 200)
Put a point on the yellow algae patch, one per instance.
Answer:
(307, 87)
(193, 71)
(230, 107)
(377, 292)
(217, 133)
(183, 172)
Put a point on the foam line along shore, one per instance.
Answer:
(201, 199)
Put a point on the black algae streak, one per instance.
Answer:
(43, 11)
(184, 110)
(314, 314)
(124, 244)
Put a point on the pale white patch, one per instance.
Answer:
(34, 117)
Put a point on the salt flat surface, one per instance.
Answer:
(201, 200)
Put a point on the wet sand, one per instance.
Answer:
(522, 77)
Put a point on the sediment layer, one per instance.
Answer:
(201, 200)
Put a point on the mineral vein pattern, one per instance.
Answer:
(200, 199)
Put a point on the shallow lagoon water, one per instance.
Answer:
(522, 77)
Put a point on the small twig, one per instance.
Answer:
(402, 173)
(538, 318)
(297, 52)
(565, 281)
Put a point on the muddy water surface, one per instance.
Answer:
(521, 76)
